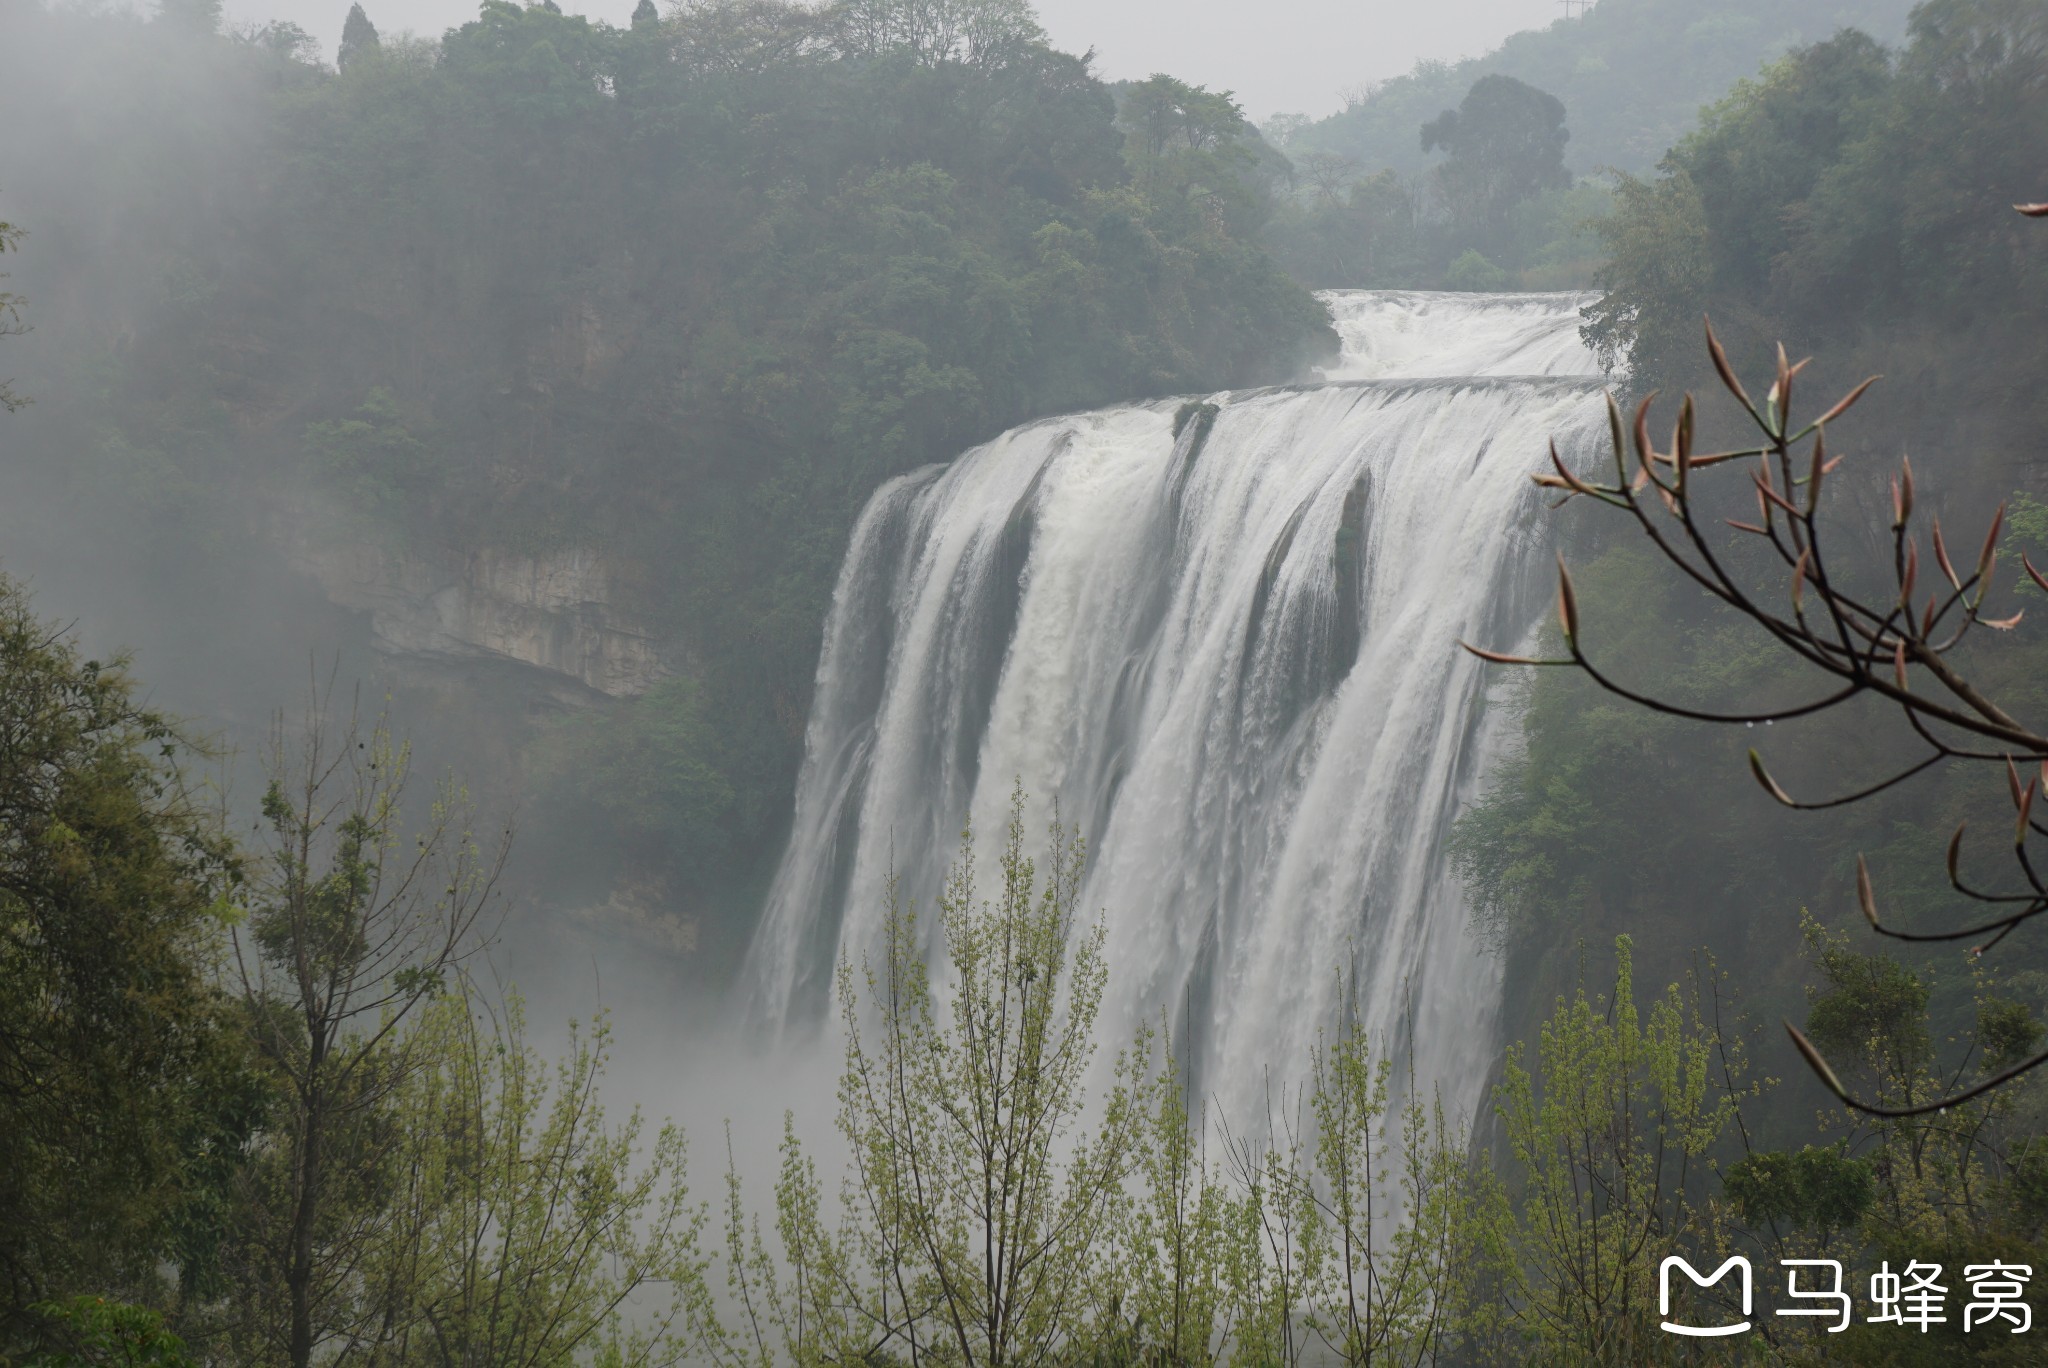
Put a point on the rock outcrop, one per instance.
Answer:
(558, 612)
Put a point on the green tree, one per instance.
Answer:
(983, 1181)
(1634, 75)
(373, 459)
(1383, 1212)
(1503, 144)
(1610, 1136)
(1184, 1249)
(1191, 152)
(1934, 1174)
(1655, 279)
(92, 1332)
(651, 780)
(1855, 204)
(118, 1059)
(1472, 271)
(979, 33)
(350, 929)
(1954, 1186)
(358, 38)
(1874, 653)
(1356, 233)
(1713, 228)
(1821, 1190)
(522, 1225)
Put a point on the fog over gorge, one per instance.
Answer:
(752, 681)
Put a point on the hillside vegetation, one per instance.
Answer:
(1855, 202)
(1633, 75)
(1488, 174)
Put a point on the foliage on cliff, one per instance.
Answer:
(1856, 204)
(1632, 75)
(1369, 205)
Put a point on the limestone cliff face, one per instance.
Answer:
(557, 612)
(487, 646)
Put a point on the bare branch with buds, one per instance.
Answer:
(1869, 645)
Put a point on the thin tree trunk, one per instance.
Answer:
(305, 1212)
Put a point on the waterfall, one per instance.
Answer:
(1224, 639)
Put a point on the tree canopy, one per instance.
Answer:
(1856, 203)
(1503, 144)
(122, 1081)
(358, 37)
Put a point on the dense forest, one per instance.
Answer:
(655, 309)
(1370, 203)
(1634, 75)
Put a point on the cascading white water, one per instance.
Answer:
(1394, 333)
(1231, 656)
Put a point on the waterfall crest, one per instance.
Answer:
(1224, 639)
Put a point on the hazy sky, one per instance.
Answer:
(1280, 56)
